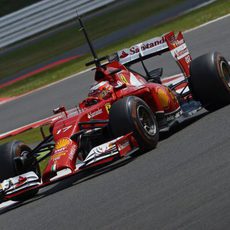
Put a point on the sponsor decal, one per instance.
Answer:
(144, 48)
(56, 156)
(123, 78)
(95, 113)
(118, 84)
(62, 143)
(123, 145)
(188, 59)
(173, 41)
(107, 107)
(163, 97)
(124, 54)
(7, 184)
(60, 150)
(21, 181)
(64, 129)
(173, 116)
(147, 45)
(109, 146)
(103, 94)
(72, 152)
(102, 150)
(180, 52)
(180, 42)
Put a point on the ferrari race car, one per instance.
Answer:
(123, 114)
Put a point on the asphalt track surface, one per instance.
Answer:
(182, 184)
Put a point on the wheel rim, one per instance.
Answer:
(226, 72)
(146, 120)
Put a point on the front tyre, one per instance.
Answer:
(8, 167)
(210, 80)
(132, 114)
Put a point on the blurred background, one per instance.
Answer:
(40, 41)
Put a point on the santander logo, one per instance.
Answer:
(144, 46)
(147, 45)
(124, 54)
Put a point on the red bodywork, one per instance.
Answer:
(113, 82)
(122, 83)
(158, 97)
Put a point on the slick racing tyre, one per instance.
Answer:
(8, 167)
(132, 114)
(210, 80)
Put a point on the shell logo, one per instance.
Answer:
(63, 142)
(163, 97)
(58, 155)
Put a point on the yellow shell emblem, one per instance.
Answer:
(163, 97)
(62, 143)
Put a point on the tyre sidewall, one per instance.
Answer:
(207, 81)
(8, 167)
(124, 119)
(140, 132)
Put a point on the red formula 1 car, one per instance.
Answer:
(122, 114)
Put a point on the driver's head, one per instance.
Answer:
(102, 90)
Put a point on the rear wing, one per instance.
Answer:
(157, 46)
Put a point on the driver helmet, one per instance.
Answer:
(101, 90)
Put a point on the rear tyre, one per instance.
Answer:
(132, 114)
(210, 80)
(8, 167)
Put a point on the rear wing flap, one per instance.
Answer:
(156, 46)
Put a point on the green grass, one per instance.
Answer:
(188, 21)
(29, 137)
(44, 78)
(70, 37)
(215, 10)
(43, 163)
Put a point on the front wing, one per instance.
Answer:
(106, 153)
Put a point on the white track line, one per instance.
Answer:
(207, 23)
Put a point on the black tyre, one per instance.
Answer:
(133, 114)
(8, 166)
(210, 80)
